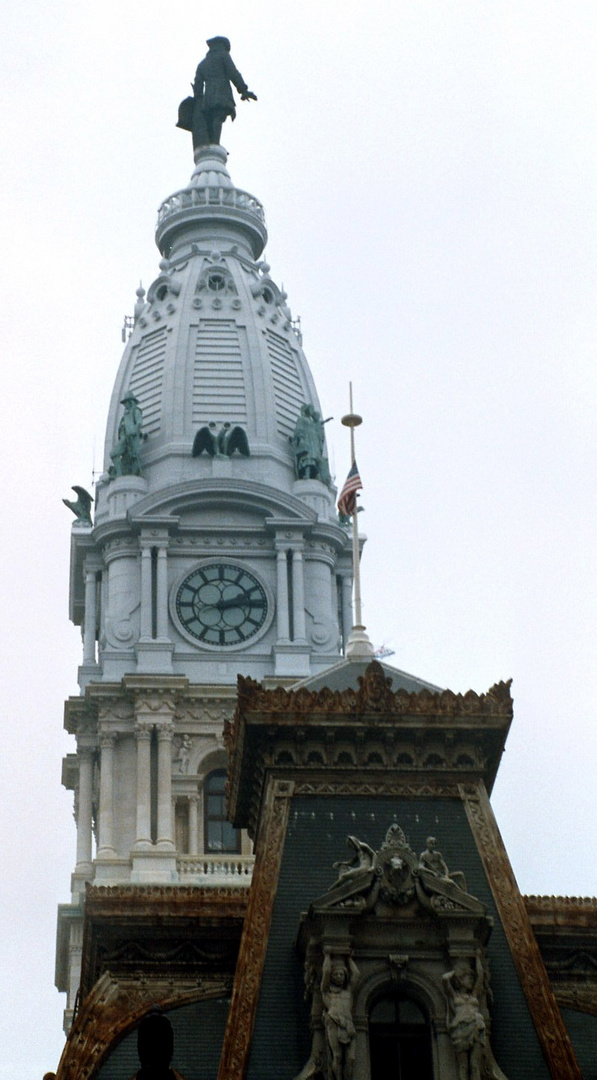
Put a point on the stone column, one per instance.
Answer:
(162, 593)
(282, 597)
(193, 825)
(146, 595)
(89, 627)
(143, 731)
(165, 734)
(107, 740)
(298, 597)
(84, 816)
(346, 585)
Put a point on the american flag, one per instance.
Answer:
(347, 503)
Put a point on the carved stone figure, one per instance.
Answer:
(82, 507)
(466, 1025)
(222, 444)
(183, 755)
(308, 442)
(431, 859)
(338, 977)
(125, 455)
(212, 92)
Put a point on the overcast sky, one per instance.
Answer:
(429, 175)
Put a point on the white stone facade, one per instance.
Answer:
(213, 344)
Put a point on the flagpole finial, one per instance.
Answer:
(358, 646)
(351, 420)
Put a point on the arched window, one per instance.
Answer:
(399, 1040)
(220, 835)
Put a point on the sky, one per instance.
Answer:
(429, 174)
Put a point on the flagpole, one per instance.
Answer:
(358, 644)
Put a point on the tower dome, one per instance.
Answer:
(227, 493)
(214, 343)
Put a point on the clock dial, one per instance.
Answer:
(221, 605)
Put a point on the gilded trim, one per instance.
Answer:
(554, 1039)
(253, 946)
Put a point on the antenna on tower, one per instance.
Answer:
(358, 645)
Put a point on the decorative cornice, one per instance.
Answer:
(363, 734)
(534, 980)
(374, 698)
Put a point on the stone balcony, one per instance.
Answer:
(215, 870)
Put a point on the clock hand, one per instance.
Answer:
(238, 601)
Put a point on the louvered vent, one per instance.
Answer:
(218, 381)
(146, 378)
(288, 390)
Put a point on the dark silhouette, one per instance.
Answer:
(155, 1045)
(212, 92)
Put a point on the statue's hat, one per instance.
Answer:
(129, 396)
(219, 41)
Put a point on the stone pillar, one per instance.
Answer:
(282, 597)
(84, 816)
(346, 585)
(298, 597)
(105, 848)
(162, 593)
(165, 734)
(89, 627)
(146, 595)
(193, 824)
(143, 731)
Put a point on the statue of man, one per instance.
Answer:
(431, 859)
(308, 441)
(466, 1025)
(125, 455)
(213, 96)
(337, 986)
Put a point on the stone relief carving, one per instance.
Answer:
(431, 859)
(391, 878)
(181, 753)
(375, 903)
(467, 1019)
(338, 977)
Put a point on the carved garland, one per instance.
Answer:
(534, 980)
(253, 947)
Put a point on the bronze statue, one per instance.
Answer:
(82, 507)
(308, 441)
(125, 455)
(212, 98)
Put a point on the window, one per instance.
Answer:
(399, 1040)
(220, 835)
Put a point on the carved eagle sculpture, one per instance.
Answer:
(82, 507)
(223, 443)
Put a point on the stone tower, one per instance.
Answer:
(214, 551)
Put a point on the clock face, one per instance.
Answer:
(221, 605)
